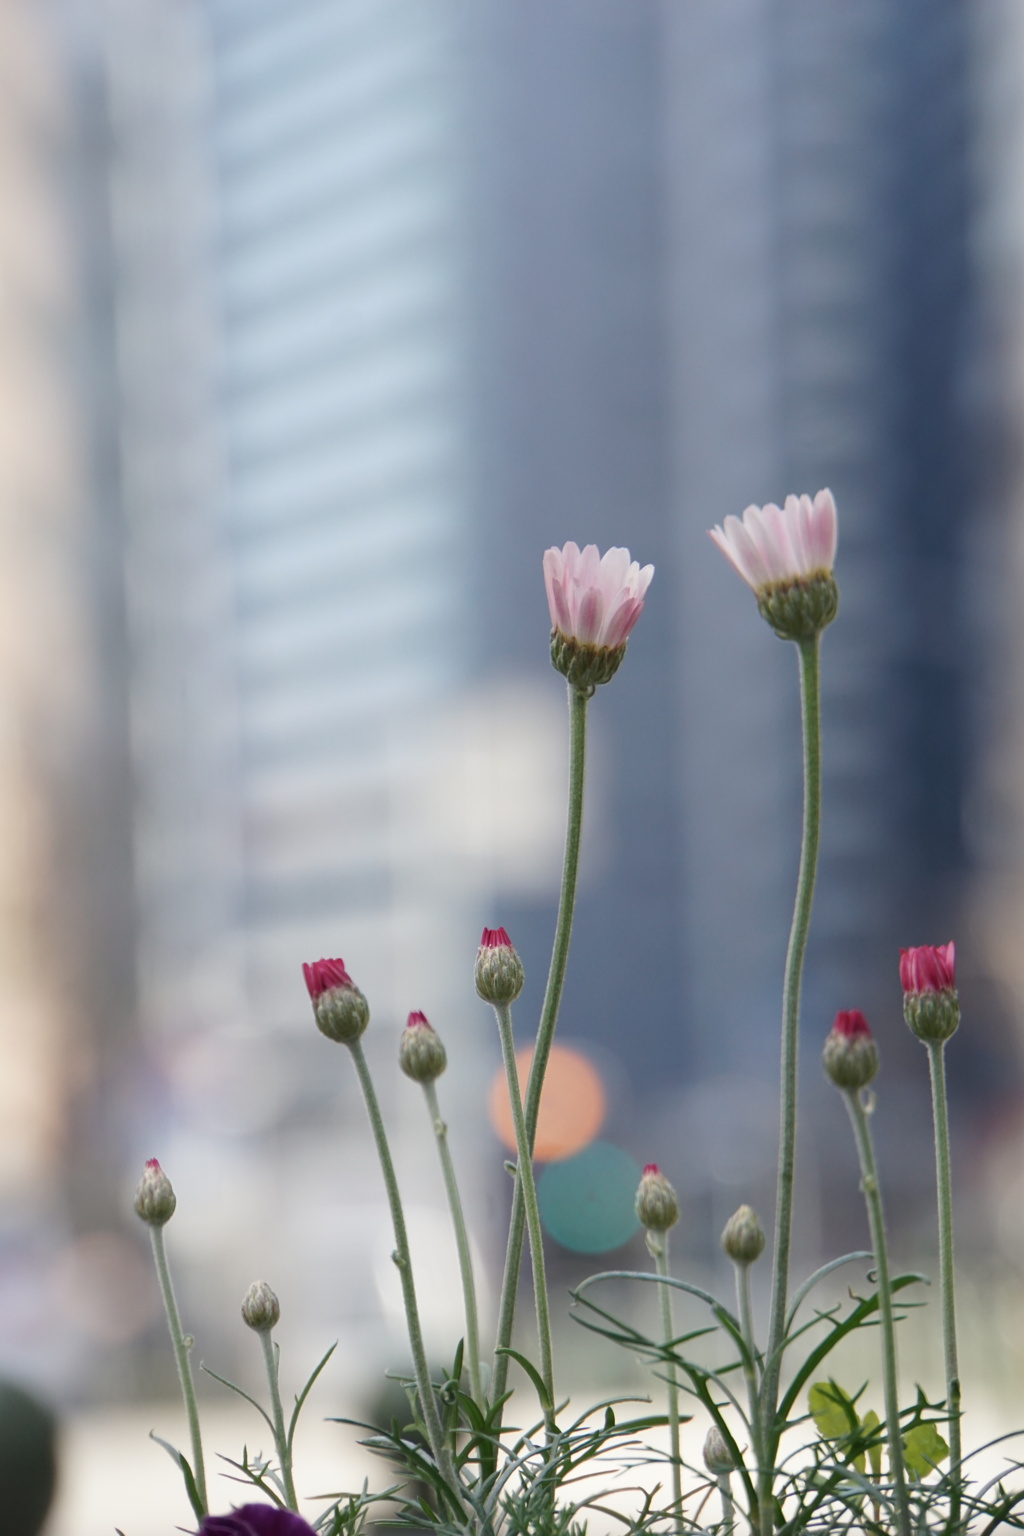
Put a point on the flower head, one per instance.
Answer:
(742, 1239)
(850, 1056)
(340, 1009)
(155, 1200)
(657, 1207)
(421, 1052)
(785, 554)
(256, 1520)
(261, 1310)
(931, 1005)
(499, 970)
(717, 1456)
(594, 601)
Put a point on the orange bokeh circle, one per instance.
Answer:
(572, 1104)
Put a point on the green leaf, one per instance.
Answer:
(832, 1410)
(869, 1424)
(186, 1473)
(923, 1449)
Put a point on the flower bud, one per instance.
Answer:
(717, 1455)
(499, 970)
(154, 1198)
(743, 1237)
(931, 1004)
(340, 1009)
(657, 1208)
(421, 1052)
(261, 1309)
(850, 1056)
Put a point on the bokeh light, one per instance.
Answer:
(586, 1202)
(572, 1105)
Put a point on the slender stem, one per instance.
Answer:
(403, 1261)
(876, 1220)
(181, 1348)
(525, 1181)
(725, 1489)
(809, 711)
(943, 1182)
(657, 1243)
(578, 701)
(271, 1358)
(461, 1241)
(749, 1367)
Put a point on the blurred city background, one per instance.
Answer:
(319, 321)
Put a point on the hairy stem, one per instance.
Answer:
(657, 1243)
(943, 1182)
(525, 1182)
(725, 1491)
(578, 701)
(810, 716)
(750, 1367)
(461, 1242)
(181, 1347)
(402, 1258)
(876, 1220)
(271, 1359)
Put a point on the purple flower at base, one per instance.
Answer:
(256, 1520)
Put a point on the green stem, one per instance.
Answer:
(525, 1181)
(271, 1358)
(657, 1243)
(181, 1349)
(403, 1260)
(749, 1368)
(876, 1220)
(943, 1182)
(809, 711)
(461, 1242)
(725, 1490)
(578, 701)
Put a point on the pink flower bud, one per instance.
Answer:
(499, 970)
(657, 1207)
(594, 601)
(421, 1052)
(929, 968)
(155, 1200)
(850, 1056)
(931, 1005)
(785, 555)
(340, 1009)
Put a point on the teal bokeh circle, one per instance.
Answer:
(586, 1201)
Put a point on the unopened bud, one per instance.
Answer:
(261, 1309)
(154, 1198)
(743, 1237)
(421, 1052)
(340, 1009)
(499, 970)
(850, 1056)
(657, 1208)
(717, 1456)
(931, 1004)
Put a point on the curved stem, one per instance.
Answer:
(876, 1219)
(403, 1261)
(943, 1183)
(810, 717)
(461, 1241)
(181, 1349)
(578, 701)
(271, 1359)
(525, 1181)
(657, 1244)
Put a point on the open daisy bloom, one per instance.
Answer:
(594, 601)
(785, 555)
